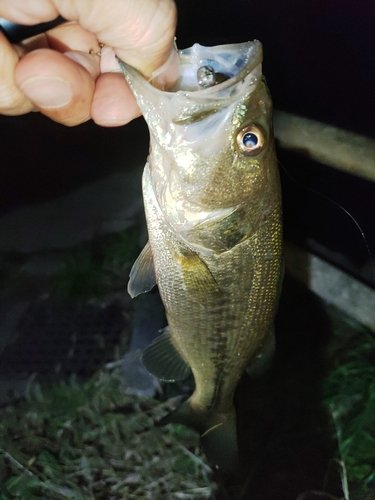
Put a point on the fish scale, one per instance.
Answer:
(200, 332)
(213, 209)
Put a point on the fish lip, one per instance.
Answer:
(187, 102)
(253, 61)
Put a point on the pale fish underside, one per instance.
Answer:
(213, 208)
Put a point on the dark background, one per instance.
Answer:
(319, 62)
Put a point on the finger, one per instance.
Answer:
(31, 12)
(141, 32)
(71, 36)
(12, 100)
(58, 86)
(113, 104)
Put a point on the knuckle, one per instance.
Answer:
(12, 101)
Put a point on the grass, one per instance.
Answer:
(91, 441)
(91, 269)
(83, 441)
(349, 395)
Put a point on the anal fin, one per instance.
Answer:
(162, 359)
(142, 275)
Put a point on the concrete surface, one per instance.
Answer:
(331, 284)
(108, 205)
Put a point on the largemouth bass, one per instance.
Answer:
(213, 208)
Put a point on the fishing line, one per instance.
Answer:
(335, 203)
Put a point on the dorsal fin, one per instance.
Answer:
(142, 275)
(162, 359)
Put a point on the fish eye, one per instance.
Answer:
(251, 140)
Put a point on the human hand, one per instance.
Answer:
(59, 73)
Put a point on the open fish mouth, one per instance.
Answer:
(201, 67)
(210, 79)
(194, 122)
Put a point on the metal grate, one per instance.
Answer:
(56, 342)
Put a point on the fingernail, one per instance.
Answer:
(47, 91)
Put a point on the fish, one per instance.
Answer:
(212, 200)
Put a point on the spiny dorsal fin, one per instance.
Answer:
(162, 359)
(142, 275)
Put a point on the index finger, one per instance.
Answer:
(140, 32)
(12, 100)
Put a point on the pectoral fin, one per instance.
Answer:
(198, 279)
(162, 359)
(142, 275)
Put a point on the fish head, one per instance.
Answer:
(211, 143)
